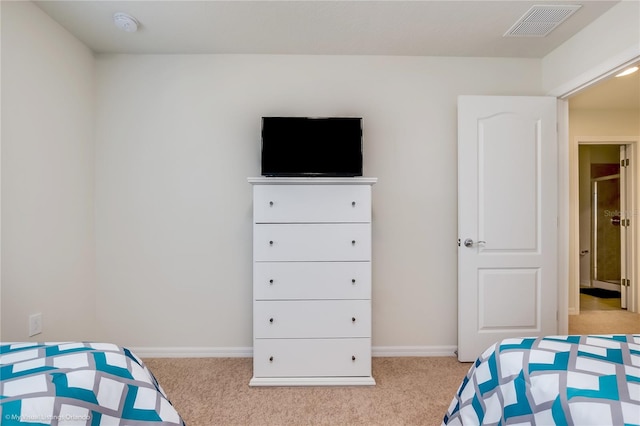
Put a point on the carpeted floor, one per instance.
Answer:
(603, 316)
(409, 391)
(604, 322)
(216, 392)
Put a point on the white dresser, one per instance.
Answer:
(311, 281)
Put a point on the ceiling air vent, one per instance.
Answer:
(540, 20)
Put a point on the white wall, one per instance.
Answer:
(609, 41)
(47, 169)
(177, 136)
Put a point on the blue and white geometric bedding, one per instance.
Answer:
(79, 384)
(555, 380)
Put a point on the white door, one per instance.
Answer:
(507, 220)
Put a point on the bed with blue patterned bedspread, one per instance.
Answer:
(79, 383)
(554, 380)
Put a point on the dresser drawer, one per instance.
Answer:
(311, 203)
(311, 280)
(313, 242)
(312, 319)
(311, 357)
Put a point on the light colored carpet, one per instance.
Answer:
(603, 316)
(215, 391)
(409, 390)
(604, 322)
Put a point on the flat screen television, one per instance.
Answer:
(312, 146)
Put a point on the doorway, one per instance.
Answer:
(603, 319)
(595, 84)
(602, 195)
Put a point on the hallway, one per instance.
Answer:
(603, 316)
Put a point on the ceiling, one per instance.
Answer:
(324, 27)
(356, 27)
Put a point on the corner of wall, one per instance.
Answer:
(610, 42)
(48, 246)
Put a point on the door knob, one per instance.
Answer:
(469, 242)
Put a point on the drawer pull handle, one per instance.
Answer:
(353, 204)
(270, 281)
(270, 203)
(270, 359)
(270, 243)
(353, 280)
(353, 319)
(353, 242)
(353, 357)
(271, 320)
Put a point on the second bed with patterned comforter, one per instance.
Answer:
(554, 380)
(79, 383)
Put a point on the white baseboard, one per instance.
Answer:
(192, 352)
(425, 351)
(247, 352)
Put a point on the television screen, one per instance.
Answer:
(303, 146)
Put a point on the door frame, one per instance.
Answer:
(567, 172)
(633, 301)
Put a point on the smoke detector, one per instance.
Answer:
(125, 22)
(540, 20)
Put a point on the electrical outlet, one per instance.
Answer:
(35, 324)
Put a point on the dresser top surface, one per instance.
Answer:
(262, 180)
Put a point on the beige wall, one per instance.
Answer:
(177, 136)
(608, 122)
(165, 157)
(48, 263)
